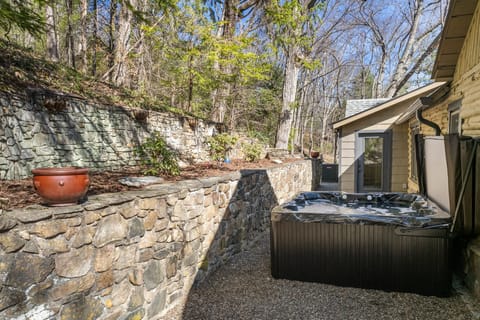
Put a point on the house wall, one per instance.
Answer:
(465, 86)
(437, 114)
(466, 80)
(380, 121)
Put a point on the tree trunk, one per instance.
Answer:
(69, 41)
(226, 31)
(111, 39)
(83, 34)
(122, 44)
(407, 54)
(51, 29)
(142, 52)
(95, 31)
(288, 100)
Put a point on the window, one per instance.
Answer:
(454, 122)
(414, 131)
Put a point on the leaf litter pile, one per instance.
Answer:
(20, 193)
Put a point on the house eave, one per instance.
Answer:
(457, 24)
(388, 104)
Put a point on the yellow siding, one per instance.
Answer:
(412, 184)
(438, 115)
(466, 83)
(347, 162)
(470, 55)
(399, 158)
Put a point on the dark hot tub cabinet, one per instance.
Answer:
(388, 241)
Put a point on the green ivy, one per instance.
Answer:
(157, 157)
(220, 144)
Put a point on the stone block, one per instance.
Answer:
(110, 229)
(32, 214)
(91, 217)
(82, 308)
(180, 213)
(154, 274)
(28, 269)
(149, 221)
(76, 263)
(135, 315)
(10, 297)
(148, 240)
(161, 224)
(48, 229)
(136, 277)
(104, 280)
(158, 304)
(124, 257)
(83, 237)
(72, 286)
(128, 211)
(136, 299)
(148, 203)
(121, 293)
(144, 255)
(104, 258)
(135, 228)
(11, 242)
(52, 246)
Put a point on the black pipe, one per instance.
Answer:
(429, 123)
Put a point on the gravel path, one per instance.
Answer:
(244, 289)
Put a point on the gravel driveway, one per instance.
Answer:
(244, 289)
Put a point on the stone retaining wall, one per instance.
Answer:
(38, 131)
(134, 255)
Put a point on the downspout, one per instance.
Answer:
(426, 122)
(335, 145)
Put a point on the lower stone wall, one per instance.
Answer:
(134, 255)
(471, 269)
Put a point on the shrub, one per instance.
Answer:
(252, 151)
(157, 157)
(220, 144)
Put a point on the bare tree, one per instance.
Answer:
(69, 41)
(121, 75)
(51, 30)
(83, 43)
(403, 37)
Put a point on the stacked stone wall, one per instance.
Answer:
(135, 254)
(66, 131)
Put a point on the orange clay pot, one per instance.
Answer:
(61, 186)
(314, 154)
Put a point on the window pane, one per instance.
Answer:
(453, 123)
(373, 163)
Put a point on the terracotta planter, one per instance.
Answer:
(61, 186)
(314, 154)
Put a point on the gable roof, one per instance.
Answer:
(388, 104)
(357, 106)
(458, 20)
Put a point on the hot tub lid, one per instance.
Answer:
(402, 209)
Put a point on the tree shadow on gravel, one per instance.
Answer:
(244, 220)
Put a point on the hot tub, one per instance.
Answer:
(388, 241)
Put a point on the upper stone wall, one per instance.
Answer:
(39, 131)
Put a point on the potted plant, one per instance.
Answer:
(61, 186)
(314, 154)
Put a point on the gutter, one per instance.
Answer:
(426, 122)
